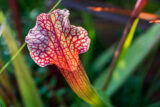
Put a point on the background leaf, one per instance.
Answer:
(156, 104)
(133, 57)
(25, 82)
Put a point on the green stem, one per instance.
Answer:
(5, 66)
(59, 1)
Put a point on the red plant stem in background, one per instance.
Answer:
(155, 21)
(16, 17)
(138, 8)
(142, 15)
(81, 85)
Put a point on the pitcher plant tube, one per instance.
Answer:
(54, 40)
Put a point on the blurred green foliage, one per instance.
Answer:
(136, 78)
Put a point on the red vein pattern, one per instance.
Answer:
(54, 40)
(81, 85)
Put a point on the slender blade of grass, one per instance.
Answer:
(128, 40)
